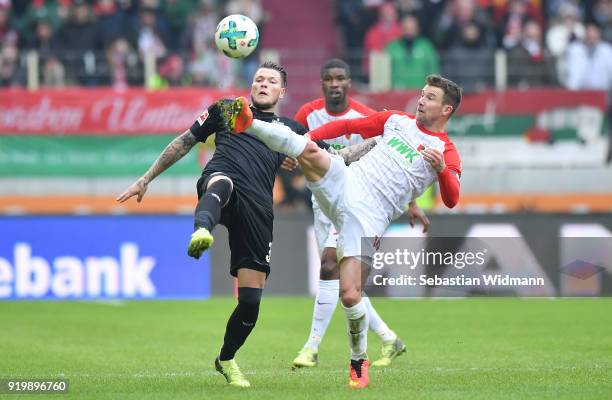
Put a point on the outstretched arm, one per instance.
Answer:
(367, 127)
(171, 154)
(353, 153)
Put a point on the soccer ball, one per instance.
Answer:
(236, 36)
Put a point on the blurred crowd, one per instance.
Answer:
(546, 42)
(106, 42)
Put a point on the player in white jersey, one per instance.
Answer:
(363, 198)
(335, 105)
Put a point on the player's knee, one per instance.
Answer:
(310, 151)
(249, 295)
(329, 268)
(220, 187)
(248, 303)
(350, 297)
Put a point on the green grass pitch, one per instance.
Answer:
(457, 349)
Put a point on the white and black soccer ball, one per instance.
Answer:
(236, 36)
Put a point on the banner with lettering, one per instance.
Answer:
(100, 257)
(91, 156)
(104, 111)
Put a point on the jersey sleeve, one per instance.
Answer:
(301, 115)
(206, 124)
(448, 179)
(367, 127)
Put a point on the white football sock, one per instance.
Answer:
(377, 325)
(324, 307)
(357, 318)
(278, 137)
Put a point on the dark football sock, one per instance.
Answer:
(208, 210)
(241, 322)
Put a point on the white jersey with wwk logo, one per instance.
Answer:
(394, 173)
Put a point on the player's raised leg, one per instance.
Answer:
(314, 161)
(208, 213)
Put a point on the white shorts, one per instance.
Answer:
(342, 198)
(325, 231)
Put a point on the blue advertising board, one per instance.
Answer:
(100, 257)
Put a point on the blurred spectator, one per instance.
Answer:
(552, 7)
(512, 20)
(10, 72)
(386, 29)
(112, 21)
(177, 13)
(172, 71)
(530, 62)
(54, 11)
(500, 9)
(208, 66)
(565, 28)
(469, 60)
(7, 33)
(352, 20)
(77, 43)
(125, 68)
(152, 36)
(589, 62)
(52, 72)
(427, 13)
(602, 15)
(458, 15)
(413, 57)
(253, 10)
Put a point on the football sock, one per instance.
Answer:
(208, 210)
(241, 322)
(324, 307)
(376, 324)
(357, 330)
(278, 137)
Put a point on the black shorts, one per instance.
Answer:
(250, 230)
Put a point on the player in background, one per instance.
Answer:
(235, 190)
(335, 105)
(413, 151)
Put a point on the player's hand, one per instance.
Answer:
(137, 188)
(415, 213)
(435, 158)
(289, 164)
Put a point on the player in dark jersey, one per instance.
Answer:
(235, 189)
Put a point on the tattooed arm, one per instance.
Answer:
(171, 154)
(355, 152)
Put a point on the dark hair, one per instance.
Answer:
(276, 67)
(336, 63)
(452, 91)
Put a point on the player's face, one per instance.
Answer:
(335, 83)
(430, 108)
(267, 88)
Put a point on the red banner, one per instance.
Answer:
(507, 102)
(106, 111)
(138, 111)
